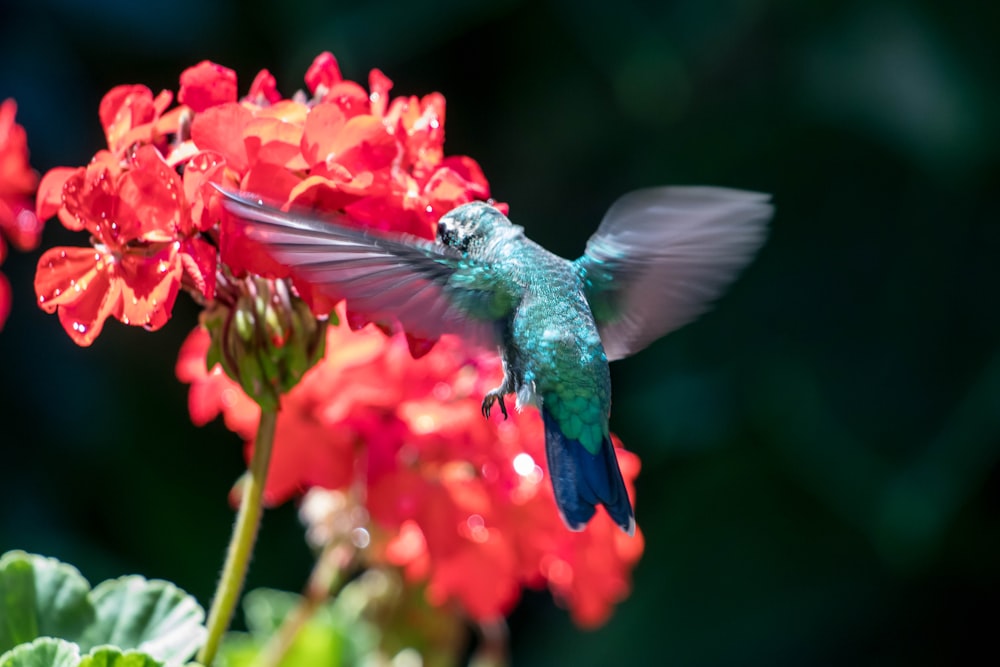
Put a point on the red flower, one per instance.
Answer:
(137, 216)
(457, 502)
(206, 85)
(350, 152)
(18, 222)
(130, 115)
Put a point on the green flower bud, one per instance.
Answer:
(266, 340)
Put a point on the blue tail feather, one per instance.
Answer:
(582, 480)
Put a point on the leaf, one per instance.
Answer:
(109, 656)
(44, 652)
(41, 597)
(152, 616)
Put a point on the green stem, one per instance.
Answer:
(234, 572)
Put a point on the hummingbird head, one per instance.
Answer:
(469, 225)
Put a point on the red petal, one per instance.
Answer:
(389, 213)
(79, 282)
(365, 144)
(264, 88)
(419, 346)
(199, 259)
(21, 225)
(207, 85)
(349, 96)
(379, 85)
(204, 168)
(162, 101)
(50, 191)
(220, 129)
(84, 319)
(124, 108)
(212, 391)
(320, 194)
(89, 198)
(150, 284)
(319, 303)
(16, 176)
(470, 171)
(289, 111)
(272, 140)
(270, 181)
(151, 199)
(59, 270)
(324, 71)
(307, 452)
(242, 255)
(323, 124)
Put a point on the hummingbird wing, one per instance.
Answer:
(428, 288)
(661, 255)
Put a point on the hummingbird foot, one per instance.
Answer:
(492, 397)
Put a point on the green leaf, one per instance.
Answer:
(109, 656)
(44, 652)
(41, 597)
(152, 616)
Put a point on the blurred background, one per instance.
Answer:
(821, 453)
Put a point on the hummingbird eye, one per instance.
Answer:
(448, 235)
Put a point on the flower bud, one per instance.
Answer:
(266, 340)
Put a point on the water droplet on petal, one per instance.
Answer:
(56, 292)
(125, 319)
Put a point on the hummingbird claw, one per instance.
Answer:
(488, 401)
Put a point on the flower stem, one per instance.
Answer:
(234, 572)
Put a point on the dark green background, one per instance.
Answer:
(820, 477)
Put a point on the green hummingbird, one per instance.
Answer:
(658, 258)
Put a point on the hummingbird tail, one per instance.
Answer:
(582, 480)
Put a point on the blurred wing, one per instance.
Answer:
(428, 288)
(661, 255)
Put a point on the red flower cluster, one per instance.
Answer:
(458, 502)
(154, 230)
(18, 222)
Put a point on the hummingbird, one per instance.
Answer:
(658, 258)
